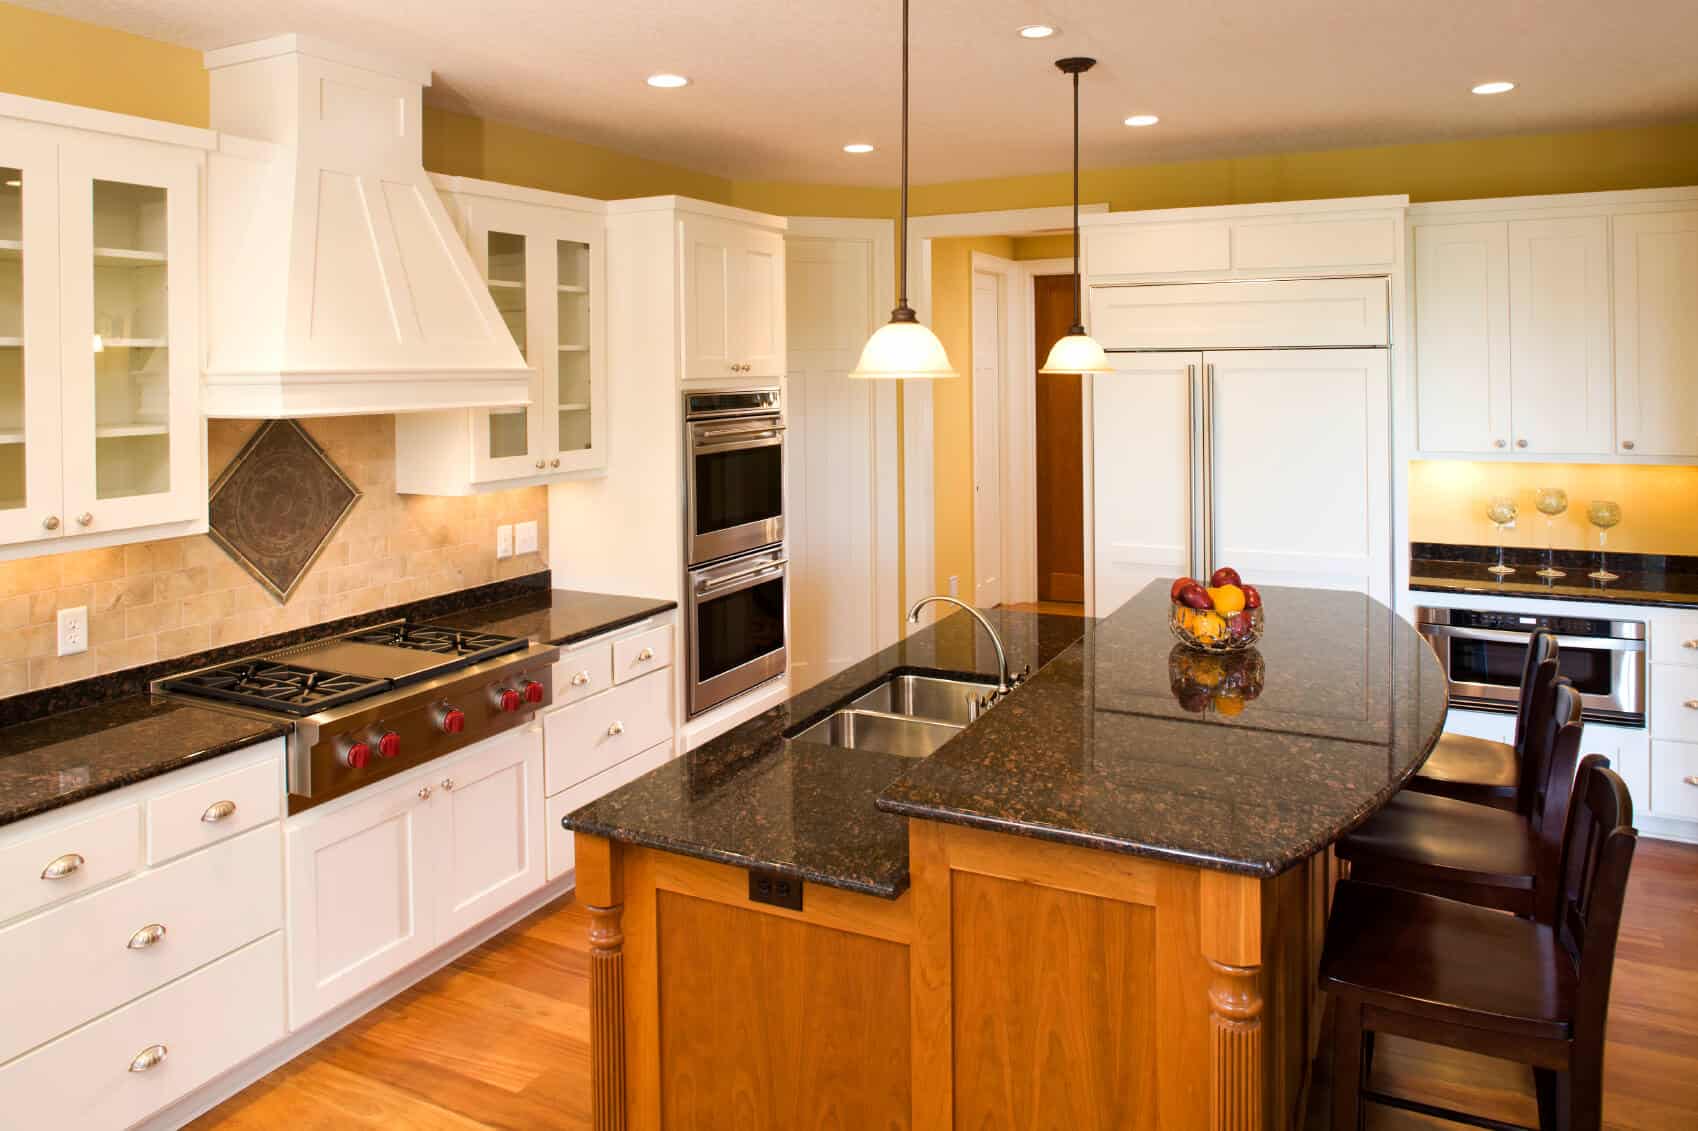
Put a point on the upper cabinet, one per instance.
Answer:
(1656, 334)
(733, 299)
(101, 437)
(542, 258)
(1515, 307)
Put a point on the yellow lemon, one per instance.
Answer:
(1227, 599)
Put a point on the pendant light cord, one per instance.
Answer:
(1078, 314)
(903, 312)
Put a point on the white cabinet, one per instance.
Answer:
(384, 877)
(100, 427)
(732, 298)
(1656, 334)
(1512, 336)
(542, 256)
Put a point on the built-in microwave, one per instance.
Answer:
(734, 472)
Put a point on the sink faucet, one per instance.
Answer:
(1003, 683)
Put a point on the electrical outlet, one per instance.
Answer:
(525, 538)
(504, 541)
(73, 630)
(778, 890)
(955, 585)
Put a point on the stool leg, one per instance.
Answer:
(1347, 1065)
(1545, 1087)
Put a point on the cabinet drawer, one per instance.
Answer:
(1674, 779)
(1675, 641)
(560, 846)
(582, 673)
(65, 966)
(643, 653)
(1674, 702)
(586, 738)
(207, 1023)
(213, 810)
(99, 849)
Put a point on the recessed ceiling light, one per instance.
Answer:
(1038, 31)
(1494, 87)
(857, 147)
(1142, 120)
(668, 82)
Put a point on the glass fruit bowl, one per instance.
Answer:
(1204, 682)
(1209, 631)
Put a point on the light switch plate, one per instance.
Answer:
(73, 630)
(504, 541)
(525, 538)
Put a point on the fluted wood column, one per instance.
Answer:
(1230, 932)
(607, 1018)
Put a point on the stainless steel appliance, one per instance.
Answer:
(737, 626)
(1482, 652)
(733, 472)
(369, 704)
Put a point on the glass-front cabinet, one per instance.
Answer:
(99, 262)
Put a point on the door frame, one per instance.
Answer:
(887, 430)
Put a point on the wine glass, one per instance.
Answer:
(1603, 514)
(1502, 512)
(1551, 502)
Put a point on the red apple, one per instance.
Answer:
(1196, 597)
(1252, 599)
(1180, 584)
(1225, 575)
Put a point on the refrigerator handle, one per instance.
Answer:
(1193, 549)
(1208, 470)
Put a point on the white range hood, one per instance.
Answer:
(337, 283)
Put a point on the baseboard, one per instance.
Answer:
(1663, 828)
(262, 1064)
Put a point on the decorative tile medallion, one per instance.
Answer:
(277, 504)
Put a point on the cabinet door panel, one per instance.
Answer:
(1462, 337)
(758, 303)
(1559, 323)
(1656, 334)
(577, 388)
(709, 336)
(518, 269)
(490, 833)
(30, 500)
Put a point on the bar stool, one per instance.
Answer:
(1444, 972)
(1478, 769)
(1473, 853)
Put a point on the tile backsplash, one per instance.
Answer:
(158, 600)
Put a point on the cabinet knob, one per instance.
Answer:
(1500, 443)
(218, 811)
(541, 463)
(1521, 443)
(424, 793)
(85, 518)
(63, 866)
(1627, 444)
(554, 462)
(1689, 643)
(151, 935)
(447, 783)
(51, 522)
(584, 677)
(1691, 704)
(616, 730)
(150, 1057)
(645, 655)
(1690, 779)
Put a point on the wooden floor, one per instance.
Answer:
(500, 1039)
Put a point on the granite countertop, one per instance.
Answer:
(559, 616)
(1666, 580)
(1099, 750)
(753, 798)
(64, 758)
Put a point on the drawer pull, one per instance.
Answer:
(149, 1058)
(151, 935)
(424, 793)
(1690, 779)
(584, 677)
(616, 730)
(447, 783)
(645, 655)
(217, 811)
(62, 867)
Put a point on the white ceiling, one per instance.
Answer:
(780, 86)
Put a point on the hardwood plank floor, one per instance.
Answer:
(500, 1038)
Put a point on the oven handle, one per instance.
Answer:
(742, 441)
(760, 572)
(1503, 636)
(757, 430)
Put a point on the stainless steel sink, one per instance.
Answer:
(878, 730)
(927, 697)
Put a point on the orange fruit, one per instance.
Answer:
(1227, 599)
(1209, 627)
(1229, 706)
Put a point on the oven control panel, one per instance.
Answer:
(1524, 622)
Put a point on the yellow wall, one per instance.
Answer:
(1447, 503)
(46, 56)
(1044, 247)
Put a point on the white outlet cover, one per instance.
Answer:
(73, 630)
(504, 541)
(525, 538)
(955, 585)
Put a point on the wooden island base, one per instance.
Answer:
(1018, 983)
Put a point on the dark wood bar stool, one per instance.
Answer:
(1447, 973)
(1478, 769)
(1484, 856)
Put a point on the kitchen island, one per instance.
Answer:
(1097, 906)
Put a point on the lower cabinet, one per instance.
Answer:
(561, 855)
(383, 879)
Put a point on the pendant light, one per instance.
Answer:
(1078, 352)
(902, 347)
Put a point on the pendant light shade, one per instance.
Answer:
(903, 349)
(1078, 352)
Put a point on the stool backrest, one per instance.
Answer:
(1553, 750)
(1536, 727)
(1597, 852)
(1541, 650)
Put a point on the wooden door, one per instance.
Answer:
(489, 832)
(1656, 334)
(1462, 356)
(1559, 334)
(709, 336)
(30, 438)
(361, 890)
(1059, 427)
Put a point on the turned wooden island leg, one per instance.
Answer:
(599, 887)
(1231, 936)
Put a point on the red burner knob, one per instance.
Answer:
(508, 699)
(533, 691)
(453, 720)
(356, 755)
(389, 745)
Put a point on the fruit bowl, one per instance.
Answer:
(1219, 683)
(1219, 633)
